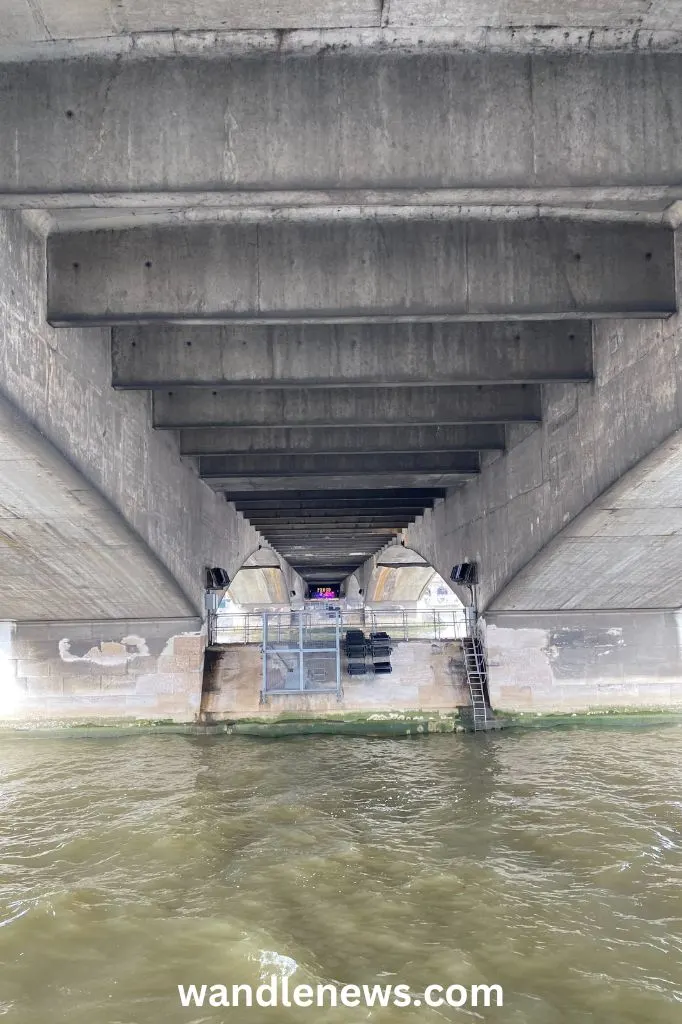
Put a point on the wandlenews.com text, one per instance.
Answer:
(279, 991)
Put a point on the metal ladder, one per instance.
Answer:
(477, 677)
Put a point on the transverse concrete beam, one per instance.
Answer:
(361, 271)
(341, 482)
(305, 440)
(169, 355)
(225, 466)
(330, 522)
(333, 510)
(332, 407)
(444, 119)
(310, 498)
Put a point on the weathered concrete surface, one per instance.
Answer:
(64, 550)
(341, 440)
(397, 575)
(130, 670)
(214, 468)
(391, 498)
(549, 661)
(312, 529)
(590, 436)
(329, 407)
(360, 270)
(157, 356)
(265, 580)
(425, 676)
(659, 13)
(334, 481)
(261, 588)
(624, 550)
(395, 584)
(60, 381)
(442, 121)
(36, 21)
(305, 522)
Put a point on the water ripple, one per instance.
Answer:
(548, 863)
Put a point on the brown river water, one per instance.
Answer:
(549, 863)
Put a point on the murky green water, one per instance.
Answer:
(548, 863)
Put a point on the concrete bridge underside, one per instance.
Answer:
(328, 276)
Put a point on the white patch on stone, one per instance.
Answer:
(98, 657)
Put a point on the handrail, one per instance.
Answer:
(446, 623)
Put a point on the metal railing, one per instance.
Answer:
(282, 628)
(419, 623)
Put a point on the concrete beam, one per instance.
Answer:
(327, 572)
(266, 517)
(325, 557)
(270, 515)
(332, 511)
(355, 407)
(331, 547)
(361, 271)
(336, 521)
(340, 543)
(212, 467)
(341, 482)
(445, 119)
(332, 440)
(171, 355)
(329, 556)
(316, 498)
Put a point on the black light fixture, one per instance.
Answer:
(466, 574)
(217, 579)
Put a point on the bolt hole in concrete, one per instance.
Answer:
(76, 266)
(148, 264)
(69, 114)
(647, 255)
(577, 257)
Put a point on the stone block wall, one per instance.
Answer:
(574, 661)
(425, 676)
(141, 670)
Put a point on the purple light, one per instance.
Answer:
(324, 594)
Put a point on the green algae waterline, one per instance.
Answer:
(548, 863)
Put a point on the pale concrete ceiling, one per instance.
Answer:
(64, 551)
(624, 551)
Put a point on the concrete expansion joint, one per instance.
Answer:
(217, 43)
